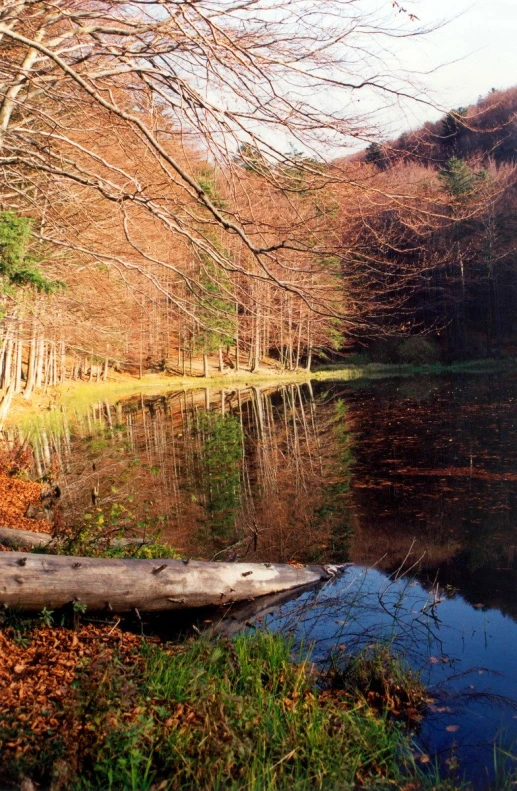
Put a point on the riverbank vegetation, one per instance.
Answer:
(100, 708)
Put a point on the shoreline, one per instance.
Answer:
(79, 394)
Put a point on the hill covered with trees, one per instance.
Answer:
(465, 295)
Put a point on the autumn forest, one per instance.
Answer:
(167, 206)
(258, 397)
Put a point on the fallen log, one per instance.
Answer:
(26, 539)
(33, 582)
(23, 538)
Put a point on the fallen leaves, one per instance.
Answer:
(16, 495)
(37, 676)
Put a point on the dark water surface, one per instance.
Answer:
(413, 480)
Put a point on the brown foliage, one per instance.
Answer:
(36, 678)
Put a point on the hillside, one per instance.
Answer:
(463, 244)
(485, 132)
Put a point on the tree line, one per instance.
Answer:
(172, 195)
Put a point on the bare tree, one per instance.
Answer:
(88, 87)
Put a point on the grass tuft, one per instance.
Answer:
(383, 680)
(212, 715)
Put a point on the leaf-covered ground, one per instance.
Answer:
(97, 708)
(37, 672)
(21, 499)
(16, 495)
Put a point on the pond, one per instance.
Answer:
(413, 481)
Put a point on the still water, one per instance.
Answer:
(412, 481)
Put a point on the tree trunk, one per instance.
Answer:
(290, 336)
(40, 361)
(205, 366)
(6, 377)
(6, 403)
(237, 340)
(54, 364)
(33, 582)
(23, 538)
(298, 346)
(256, 347)
(27, 539)
(3, 352)
(18, 366)
(31, 368)
(309, 359)
(62, 370)
(309, 347)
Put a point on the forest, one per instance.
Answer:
(258, 401)
(145, 225)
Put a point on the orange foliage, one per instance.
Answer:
(35, 679)
(15, 496)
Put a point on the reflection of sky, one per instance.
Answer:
(466, 655)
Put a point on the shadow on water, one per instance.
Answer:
(419, 475)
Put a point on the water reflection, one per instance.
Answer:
(441, 472)
(464, 655)
(323, 472)
(417, 477)
(257, 472)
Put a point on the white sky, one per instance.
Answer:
(476, 50)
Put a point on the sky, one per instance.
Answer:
(471, 52)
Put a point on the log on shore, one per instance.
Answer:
(23, 538)
(27, 539)
(33, 582)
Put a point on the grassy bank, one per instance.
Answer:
(387, 370)
(129, 714)
(77, 397)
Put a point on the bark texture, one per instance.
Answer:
(33, 582)
(23, 538)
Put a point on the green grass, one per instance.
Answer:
(76, 399)
(345, 372)
(108, 548)
(220, 715)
